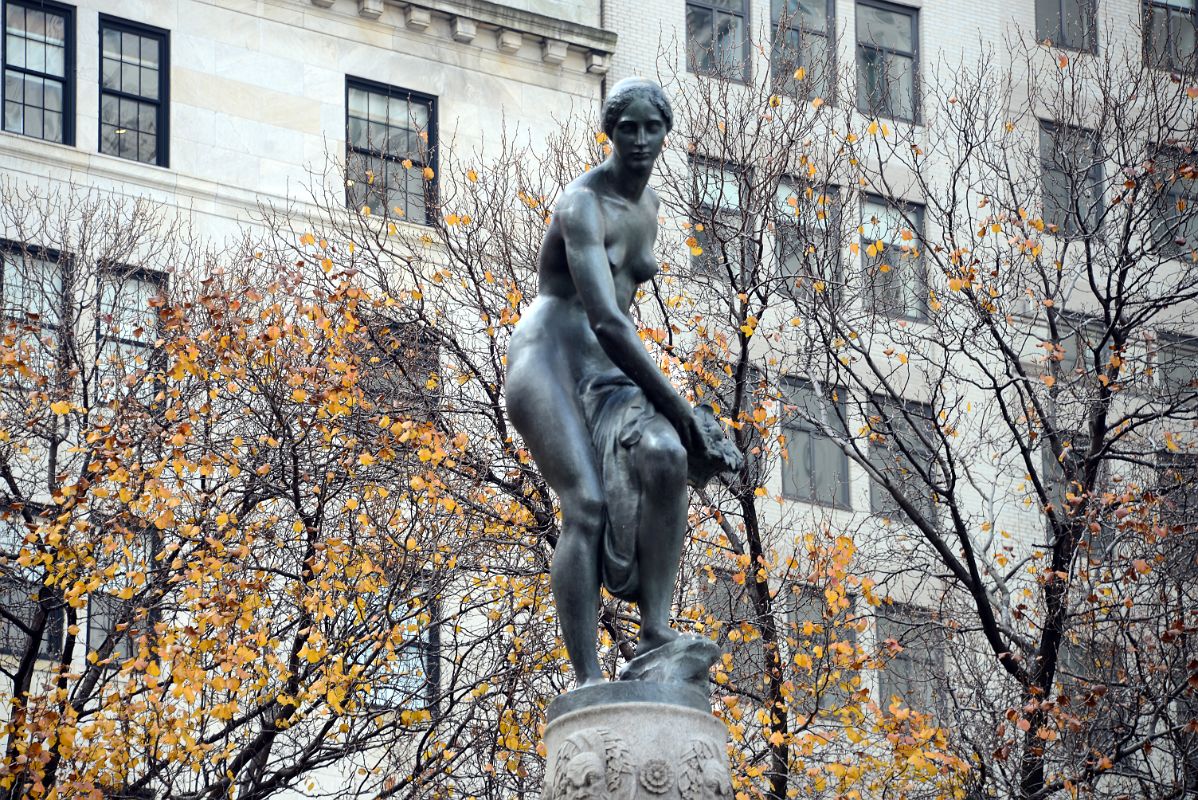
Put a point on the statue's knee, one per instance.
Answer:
(585, 511)
(663, 458)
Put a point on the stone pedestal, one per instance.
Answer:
(635, 740)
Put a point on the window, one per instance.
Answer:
(887, 60)
(902, 444)
(1177, 365)
(402, 656)
(803, 40)
(21, 589)
(109, 616)
(400, 373)
(717, 249)
(1177, 485)
(716, 40)
(1176, 183)
(728, 602)
(895, 278)
(126, 328)
(391, 138)
(915, 673)
(1068, 23)
(1169, 34)
(134, 68)
(815, 469)
(807, 230)
(39, 70)
(1071, 171)
(828, 636)
(32, 299)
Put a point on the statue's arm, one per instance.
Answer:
(582, 234)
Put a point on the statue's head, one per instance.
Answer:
(636, 119)
(584, 778)
(625, 92)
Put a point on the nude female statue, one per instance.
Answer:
(609, 432)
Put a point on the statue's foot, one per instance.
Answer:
(651, 640)
(681, 659)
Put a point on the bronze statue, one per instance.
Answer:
(610, 433)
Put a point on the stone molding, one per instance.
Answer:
(512, 27)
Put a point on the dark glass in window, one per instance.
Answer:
(133, 91)
(895, 278)
(887, 60)
(815, 470)
(808, 236)
(1068, 23)
(1170, 34)
(1175, 175)
(916, 673)
(901, 448)
(802, 41)
(39, 62)
(390, 141)
(716, 40)
(1071, 172)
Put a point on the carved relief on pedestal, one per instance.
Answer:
(704, 773)
(593, 765)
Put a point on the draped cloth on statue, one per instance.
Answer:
(616, 412)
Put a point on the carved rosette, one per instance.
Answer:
(656, 776)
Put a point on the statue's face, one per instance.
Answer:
(584, 777)
(639, 134)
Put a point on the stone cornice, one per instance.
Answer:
(512, 26)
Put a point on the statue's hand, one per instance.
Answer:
(709, 451)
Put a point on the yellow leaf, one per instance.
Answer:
(471, 175)
(299, 395)
(817, 102)
(307, 239)
(61, 407)
(429, 174)
(800, 73)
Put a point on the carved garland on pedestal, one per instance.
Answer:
(593, 765)
(704, 774)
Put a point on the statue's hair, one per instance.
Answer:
(629, 89)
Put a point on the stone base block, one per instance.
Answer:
(636, 751)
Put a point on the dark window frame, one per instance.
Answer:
(794, 421)
(61, 328)
(781, 28)
(1056, 38)
(430, 188)
(1172, 61)
(427, 647)
(914, 55)
(715, 7)
(162, 103)
(68, 78)
(919, 265)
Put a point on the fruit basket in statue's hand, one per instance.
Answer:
(713, 452)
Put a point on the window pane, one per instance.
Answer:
(699, 24)
(14, 51)
(112, 43)
(1077, 23)
(900, 90)
(730, 39)
(884, 28)
(812, 15)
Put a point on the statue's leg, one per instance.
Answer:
(660, 461)
(547, 416)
